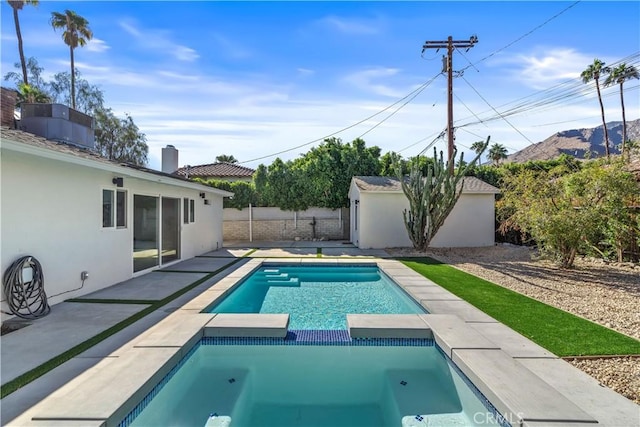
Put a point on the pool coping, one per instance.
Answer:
(497, 359)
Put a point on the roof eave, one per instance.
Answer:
(106, 165)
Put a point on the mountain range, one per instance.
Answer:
(579, 142)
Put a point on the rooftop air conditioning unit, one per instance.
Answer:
(59, 123)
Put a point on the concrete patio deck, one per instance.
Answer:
(524, 381)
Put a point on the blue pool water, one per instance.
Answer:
(318, 297)
(315, 385)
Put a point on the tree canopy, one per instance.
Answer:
(120, 139)
(117, 139)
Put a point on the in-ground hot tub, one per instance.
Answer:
(317, 379)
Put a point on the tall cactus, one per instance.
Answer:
(432, 198)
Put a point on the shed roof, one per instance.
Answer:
(216, 170)
(376, 184)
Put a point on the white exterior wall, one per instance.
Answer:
(52, 210)
(381, 222)
(471, 223)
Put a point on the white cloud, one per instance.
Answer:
(85, 67)
(97, 45)
(229, 48)
(184, 53)
(368, 81)
(352, 25)
(8, 37)
(130, 28)
(178, 76)
(305, 71)
(544, 67)
(158, 40)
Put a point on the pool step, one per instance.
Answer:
(248, 325)
(216, 420)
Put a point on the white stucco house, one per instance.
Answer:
(377, 203)
(77, 212)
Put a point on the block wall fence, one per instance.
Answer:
(273, 224)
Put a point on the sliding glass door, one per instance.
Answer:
(145, 232)
(170, 229)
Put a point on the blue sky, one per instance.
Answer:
(255, 78)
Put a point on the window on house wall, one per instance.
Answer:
(188, 210)
(114, 209)
(356, 215)
(107, 208)
(121, 209)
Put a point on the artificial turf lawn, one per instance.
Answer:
(562, 333)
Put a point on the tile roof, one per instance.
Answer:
(471, 184)
(216, 170)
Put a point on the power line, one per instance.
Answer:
(523, 36)
(429, 145)
(401, 107)
(438, 136)
(559, 94)
(415, 91)
(501, 116)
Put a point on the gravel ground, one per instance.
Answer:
(606, 294)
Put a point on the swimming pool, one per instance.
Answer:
(375, 382)
(317, 297)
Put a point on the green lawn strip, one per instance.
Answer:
(249, 253)
(58, 360)
(216, 256)
(560, 332)
(287, 256)
(113, 301)
(184, 271)
(319, 252)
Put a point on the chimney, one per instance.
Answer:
(169, 159)
(8, 99)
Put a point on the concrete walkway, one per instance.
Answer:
(71, 323)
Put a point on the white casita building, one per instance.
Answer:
(77, 212)
(377, 203)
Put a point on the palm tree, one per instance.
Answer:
(76, 33)
(17, 5)
(224, 158)
(28, 94)
(619, 75)
(593, 72)
(478, 147)
(497, 152)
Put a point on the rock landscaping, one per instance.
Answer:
(608, 294)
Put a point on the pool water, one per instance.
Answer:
(315, 385)
(318, 297)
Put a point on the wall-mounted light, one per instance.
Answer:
(357, 202)
(118, 181)
(202, 195)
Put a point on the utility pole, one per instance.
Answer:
(447, 66)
